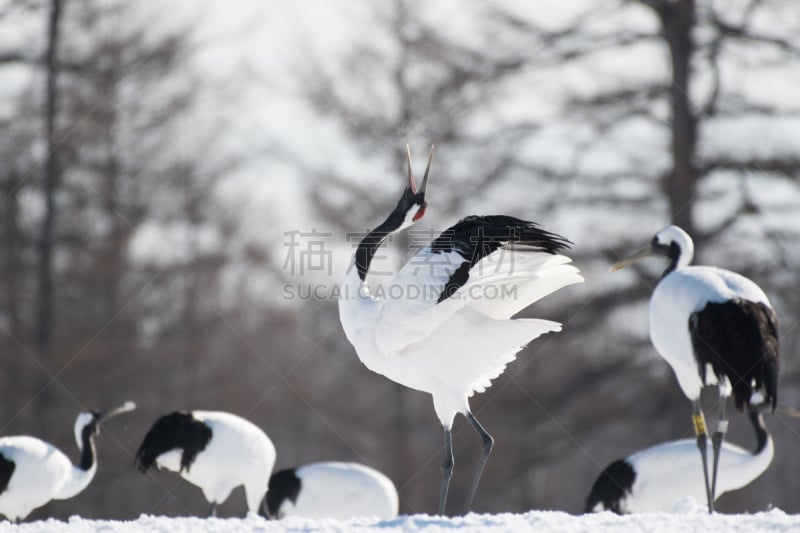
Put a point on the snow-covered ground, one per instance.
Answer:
(688, 517)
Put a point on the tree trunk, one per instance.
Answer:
(43, 329)
(678, 20)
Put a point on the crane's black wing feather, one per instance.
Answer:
(178, 430)
(475, 237)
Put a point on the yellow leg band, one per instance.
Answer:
(699, 422)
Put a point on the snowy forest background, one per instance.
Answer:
(165, 171)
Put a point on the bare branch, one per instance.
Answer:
(632, 100)
(741, 32)
(711, 234)
(17, 57)
(786, 166)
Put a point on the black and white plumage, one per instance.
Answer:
(213, 450)
(653, 479)
(712, 326)
(332, 490)
(446, 328)
(33, 472)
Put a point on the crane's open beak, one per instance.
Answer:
(411, 181)
(647, 251)
(124, 408)
(424, 185)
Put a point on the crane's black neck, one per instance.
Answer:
(671, 251)
(87, 446)
(762, 436)
(370, 244)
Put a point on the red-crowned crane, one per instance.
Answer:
(33, 472)
(446, 328)
(213, 450)
(653, 479)
(331, 490)
(712, 326)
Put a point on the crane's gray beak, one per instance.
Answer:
(124, 408)
(647, 251)
(411, 181)
(427, 169)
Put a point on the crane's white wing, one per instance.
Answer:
(495, 265)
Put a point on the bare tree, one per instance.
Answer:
(43, 334)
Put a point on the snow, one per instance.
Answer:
(688, 517)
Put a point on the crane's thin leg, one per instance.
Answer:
(486, 448)
(716, 442)
(699, 423)
(213, 511)
(447, 468)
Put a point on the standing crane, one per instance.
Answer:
(447, 328)
(712, 326)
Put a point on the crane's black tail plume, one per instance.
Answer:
(739, 339)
